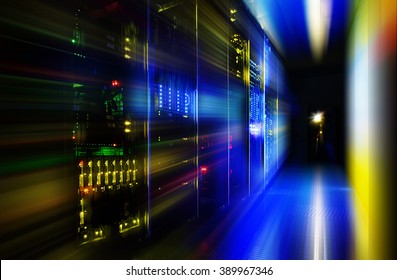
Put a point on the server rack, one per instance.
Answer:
(277, 111)
(172, 112)
(213, 177)
(239, 100)
(248, 35)
(109, 132)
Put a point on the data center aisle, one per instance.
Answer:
(306, 214)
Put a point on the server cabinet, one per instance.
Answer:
(172, 112)
(277, 111)
(256, 121)
(238, 101)
(250, 55)
(213, 106)
(109, 132)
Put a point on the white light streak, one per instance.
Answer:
(318, 19)
(318, 223)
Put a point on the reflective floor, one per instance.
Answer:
(305, 214)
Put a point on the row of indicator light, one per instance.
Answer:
(161, 105)
(115, 179)
(89, 189)
(178, 101)
(91, 235)
(128, 224)
(255, 110)
(123, 227)
(95, 144)
(99, 163)
(98, 234)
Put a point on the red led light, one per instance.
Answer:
(85, 190)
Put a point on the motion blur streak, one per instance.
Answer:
(38, 19)
(34, 210)
(36, 204)
(318, 17)
(166, 201)
(306, 214)
(319, 250)
(371, 142)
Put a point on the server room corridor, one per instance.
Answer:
(198, 129)
(306, 214)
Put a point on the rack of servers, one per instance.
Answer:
(110, 127)
(174, 109)
(181, 112)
